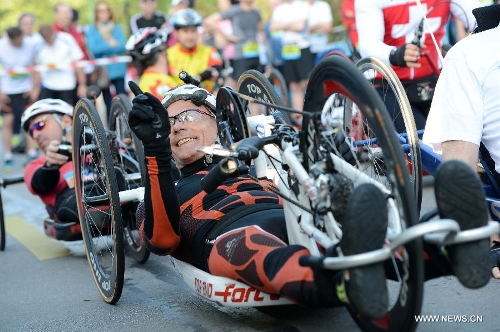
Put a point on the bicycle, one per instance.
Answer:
(303, 163)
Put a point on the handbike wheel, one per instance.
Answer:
(231, 117)
(2, 225)
(335, 75)
(98, 201)
(388, 85)
(254, 84)
(277, 79)
(131, 158)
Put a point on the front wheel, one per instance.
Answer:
(98, 202)
(338, 77)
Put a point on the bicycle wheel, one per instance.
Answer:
(336, 75)
(254, 84)
(98, 202)
(388, 85)
(2, 225)
(131, 161)
(277, 79)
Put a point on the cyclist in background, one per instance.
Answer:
(387, 30)
(48, 122)
(188, 54)
(147, 48)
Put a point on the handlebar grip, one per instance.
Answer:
(12, 180)
(225, 169)
(188, 79)
(311, 261)
(93, 92)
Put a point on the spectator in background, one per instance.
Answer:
(148, 17)
(105, 39)
(320, 24)
(64, 20)
(17, 91)
(247, 33)
(60, 48)
(348, 17)
(289, 22)
(27, 24)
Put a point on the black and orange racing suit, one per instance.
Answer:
(245, 219)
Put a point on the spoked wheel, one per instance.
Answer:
(278, 81)
(389, 87)
(2, 225)
(254, 84)
(130, 157)
(335, 75)
(98, 201)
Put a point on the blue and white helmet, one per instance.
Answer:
(186, 18)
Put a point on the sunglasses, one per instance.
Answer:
(37, 126)
(189, 115)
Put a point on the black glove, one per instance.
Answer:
(345, 147)
(495, 254)
(148, 119)
(397, 56)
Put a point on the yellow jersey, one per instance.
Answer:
(194, 62)
(156, 83)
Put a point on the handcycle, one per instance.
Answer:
(305, 165)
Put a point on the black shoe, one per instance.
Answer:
(364, 230)
(460, 196)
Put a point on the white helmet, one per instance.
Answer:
(44, 106)
(198, 96)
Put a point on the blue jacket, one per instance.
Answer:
(100, 48)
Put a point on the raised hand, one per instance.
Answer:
(148, 118)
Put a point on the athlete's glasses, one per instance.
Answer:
(190, 115)
(37, 126)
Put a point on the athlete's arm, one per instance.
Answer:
(370, 26)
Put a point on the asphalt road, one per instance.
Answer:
(46, 285)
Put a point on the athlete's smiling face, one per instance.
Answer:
(186, 135)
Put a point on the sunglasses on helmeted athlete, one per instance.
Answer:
(189, 115)
(37, 126)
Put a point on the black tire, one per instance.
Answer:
(409, 138)
(277, 79)
(335, 74)
(231, 117)
(254, 84)
(98, 202)
(131, 161)
(2, 225)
